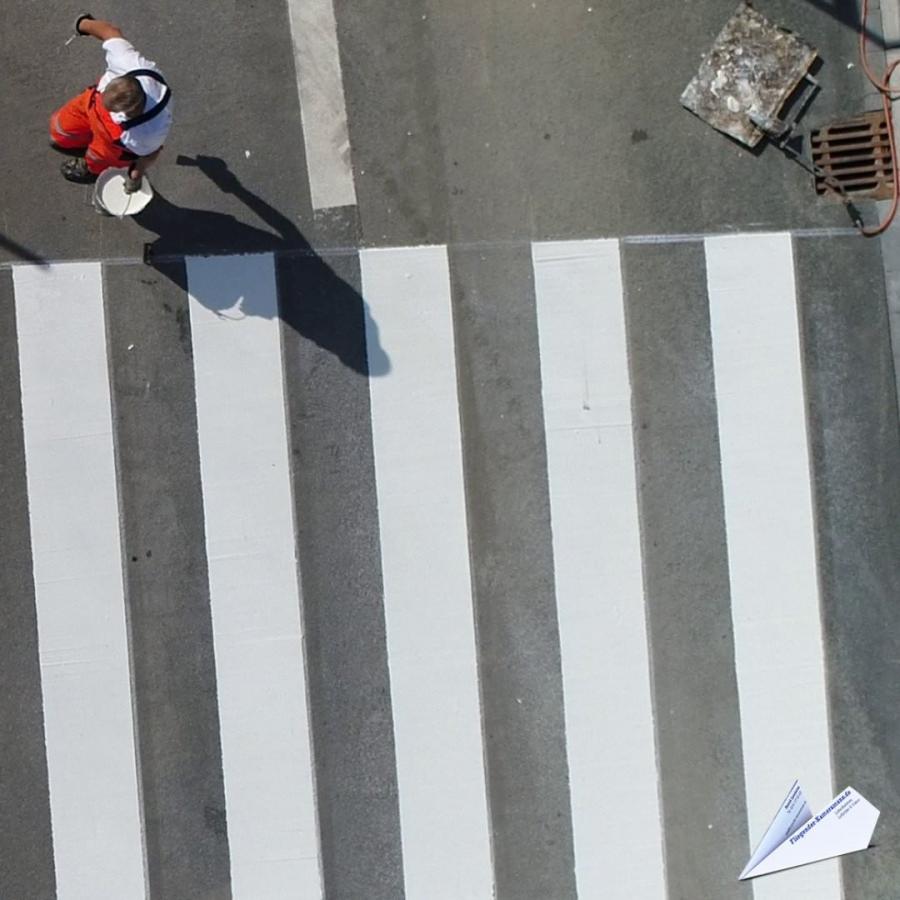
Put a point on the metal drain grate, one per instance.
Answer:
(857, 153)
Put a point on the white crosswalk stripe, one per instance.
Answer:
(68, 427)
(254, 595)
(448, 803)
(597, 561)
(769, 516)
(427, 583)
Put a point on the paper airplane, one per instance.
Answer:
(797, 837)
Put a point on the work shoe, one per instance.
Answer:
(76, 170)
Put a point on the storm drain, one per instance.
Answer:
(857, 154)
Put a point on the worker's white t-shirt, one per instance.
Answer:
(122, 58)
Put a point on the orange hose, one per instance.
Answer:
(884, 88)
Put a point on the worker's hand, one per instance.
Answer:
(133, 181)
(103, 31)
(78, 22)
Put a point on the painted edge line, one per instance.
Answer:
(346, 250)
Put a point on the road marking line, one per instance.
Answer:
(473, 246)
(597, 564)
(253, 581)
(79, 593)
(427, 584)
(770, 526)
(322, 107)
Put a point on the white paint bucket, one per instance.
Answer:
(110, 195)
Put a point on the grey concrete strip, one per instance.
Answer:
(26, 843)
(890, 241)
(337, 526)
(512, 572)
(686, 572)
(856, 454)
(890, 249)
(172, 660)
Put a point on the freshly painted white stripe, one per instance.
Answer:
(79, 593)
(427, 588)
(771, 540)
(322, 108)
(597, 563)
(253, 581)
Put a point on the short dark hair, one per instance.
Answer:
(124, 94)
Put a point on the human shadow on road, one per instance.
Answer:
(20, 251)
(847, 13)
(313, 300)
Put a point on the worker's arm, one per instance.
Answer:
(98, 28)
(142, 163)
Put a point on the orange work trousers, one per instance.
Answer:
(85, 122)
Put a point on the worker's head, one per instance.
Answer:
(124, 95)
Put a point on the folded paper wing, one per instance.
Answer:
(793, 812)
(796, 837)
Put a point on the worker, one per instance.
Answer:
(122, 121)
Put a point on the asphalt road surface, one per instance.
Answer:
(522, 526)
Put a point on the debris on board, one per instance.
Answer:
(749, 73)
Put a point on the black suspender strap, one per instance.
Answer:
(147, 73)
(161, 104)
